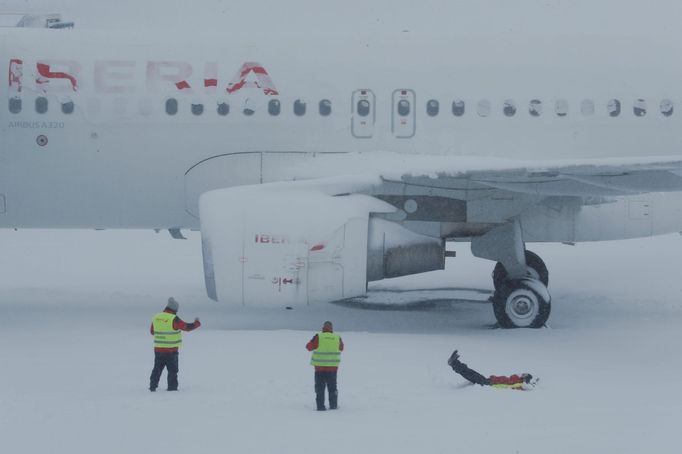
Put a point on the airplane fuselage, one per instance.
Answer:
(102, 131)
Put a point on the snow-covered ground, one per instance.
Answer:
(76, 356)
(75, 307)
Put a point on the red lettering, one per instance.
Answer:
(210, 76)
(183, 85)
(16, 73)
(262, 82)
(120, 77)
(47, 74)
(174, 72)
(271, 239)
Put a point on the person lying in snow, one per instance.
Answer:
(513, 381)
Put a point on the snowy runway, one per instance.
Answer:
(76, 356)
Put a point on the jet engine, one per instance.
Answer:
(295, 247)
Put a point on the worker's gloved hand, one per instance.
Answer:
(197, 322)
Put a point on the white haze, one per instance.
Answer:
(75, 306)
(540, 17)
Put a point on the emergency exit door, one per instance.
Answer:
(363, 114)
(403, 115)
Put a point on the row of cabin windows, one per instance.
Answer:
(41, 105)
(535, 108)
(363, 107)
(274, 107)
(172, 106)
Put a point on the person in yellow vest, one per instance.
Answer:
(167, 330)
(326, 347)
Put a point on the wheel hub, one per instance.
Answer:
(522, 304)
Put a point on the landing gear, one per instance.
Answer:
(522, 303)
(521, 299)
(534, 264)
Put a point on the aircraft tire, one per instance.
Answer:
(536, 270)
(523, 303)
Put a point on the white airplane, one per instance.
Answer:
(313, 167)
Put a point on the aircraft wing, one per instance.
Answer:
(581, 178)
(585, 179)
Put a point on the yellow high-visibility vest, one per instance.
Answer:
(327, 353)
(164, 334)
(518, 386)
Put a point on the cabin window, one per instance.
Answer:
(299, 107)
(41, 104)
(171, 106)
(325, 107)
(535, 108)
(509, 108)
(67, 107)
(613, 107)
(587, 107)
(639, 108)
(274, 107)
(249, 107)
(458, 108)
(667, 107)
(561, 107)
(363, 107)
(223, 109)
(15, 105)
(403, 107)
(197, 109)
(432, 107)
(483, 108)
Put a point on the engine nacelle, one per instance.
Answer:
(290, 247)
(394, 251)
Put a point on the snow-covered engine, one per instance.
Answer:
(296, 246)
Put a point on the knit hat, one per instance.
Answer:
(327, 326)
(172, 304)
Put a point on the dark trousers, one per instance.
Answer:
(470, 374)
(170, 362)
(326, 379)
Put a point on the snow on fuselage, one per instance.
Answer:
(104, 119)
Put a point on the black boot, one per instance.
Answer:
(453, 358)
(320, 403)
(463, 370)
(320, 385)
(333, 399)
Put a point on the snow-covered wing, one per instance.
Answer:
(587, 180)
(604, 177)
